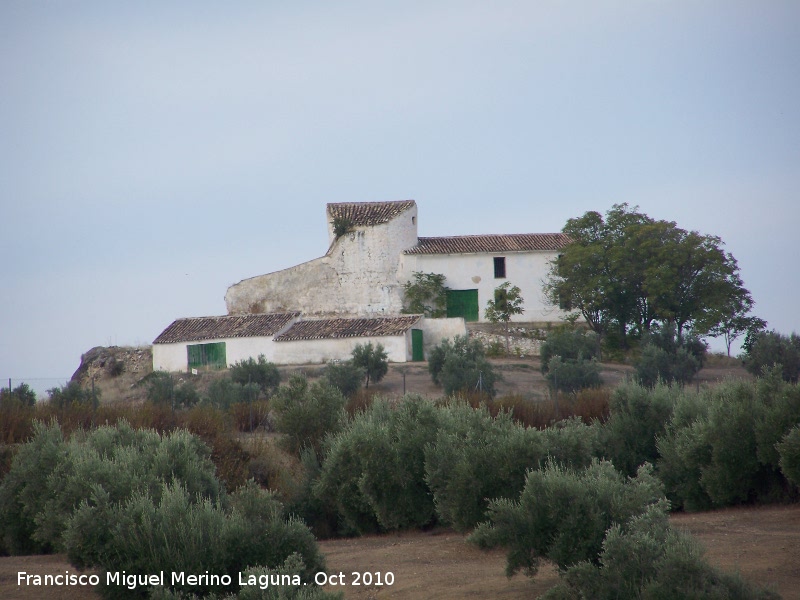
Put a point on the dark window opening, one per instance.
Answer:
(499, 267)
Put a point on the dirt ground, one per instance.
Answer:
(762, 543)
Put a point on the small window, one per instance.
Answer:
(499, 267)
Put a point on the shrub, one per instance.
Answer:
(22, 394)
(779, 412)
(638, 416)
(224, 393)
(570, 345)
(572, 443)
(495, 349)
(15, 420)
(114, 462)
(562, 515)
(73, 394)
(769, 349)
(461, 366)
(789, 449)
(180, 533)
(645, 558)
(684, 452)
(374, 470)
(346, 377)
(260, 372)
(164, 390)
(372, 361)
(249, 416)
(719, 448)
(306, 414)
(668, 358)
(474, 458)
(573, 375)
(24, 490)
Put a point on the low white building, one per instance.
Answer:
(378, 250)
(218, 342)
(283, 338)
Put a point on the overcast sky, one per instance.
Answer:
(153, 153)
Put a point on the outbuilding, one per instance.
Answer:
(218, 342)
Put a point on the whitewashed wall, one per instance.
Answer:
(173, 357)
(526, 270)
(358, 276)
(436, 330)
(298, 352)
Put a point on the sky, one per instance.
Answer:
(154, 153)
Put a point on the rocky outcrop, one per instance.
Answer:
(102, 363)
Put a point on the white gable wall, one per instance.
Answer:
(299, 352)
(526, 270)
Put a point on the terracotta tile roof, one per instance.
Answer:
(319, 329)
(518, 242)
(369, 213)
(232, 326)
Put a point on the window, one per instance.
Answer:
(499, 267)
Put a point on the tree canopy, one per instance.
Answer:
(626, 271)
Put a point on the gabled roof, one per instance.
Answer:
(320, 329)
(462, 244)
(369, 213)
(231, 326)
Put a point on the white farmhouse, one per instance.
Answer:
(283, 338)
(320, 310)
(365, 268)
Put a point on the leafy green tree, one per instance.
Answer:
(731, 320)
(507, 302)
(22, 394)
(373, 361)
(426, 294)
(628, 270)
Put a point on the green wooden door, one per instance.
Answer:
(206, 356)
(463, 303)
(417, 353)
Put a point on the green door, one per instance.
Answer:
(417, 352)
(206, 356)
(463, 303)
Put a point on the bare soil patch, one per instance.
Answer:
(762, 543)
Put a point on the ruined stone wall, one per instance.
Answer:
(358, 276)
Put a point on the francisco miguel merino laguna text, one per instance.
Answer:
(132, 580)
